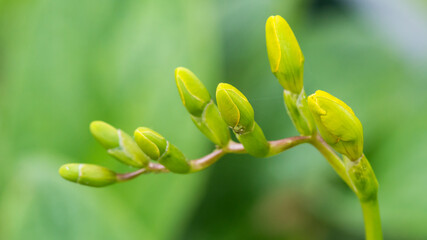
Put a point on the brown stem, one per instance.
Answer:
(276, 147)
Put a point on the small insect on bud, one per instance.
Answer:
(88, 174)
(255, 142)
(235, 108)
(337, 124)
(284, 54)
(151, 143)
(118, 144)
(193, 93)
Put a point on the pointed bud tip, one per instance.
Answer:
(151, 143)
(284, 54)
(105, 134)
(235, 108)
(193, 93)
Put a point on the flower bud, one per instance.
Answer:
(284, 54)
(193, 93)
(118, 144)
(337, 124)
(212, 125)
(88, 174)
(105, 134)
(235, 108)
(363, 178)
(150, 142)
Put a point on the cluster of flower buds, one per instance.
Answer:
(146, 146)
(335, 121)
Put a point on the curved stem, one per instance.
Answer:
(282, 145)
(371, 216)
(333, 159)
(152, 167)
(206, 161)
(202, 163)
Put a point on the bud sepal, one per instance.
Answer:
(297, 108)
(255, 142)
(363, 178)
(212, 125)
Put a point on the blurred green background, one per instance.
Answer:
(66, 63)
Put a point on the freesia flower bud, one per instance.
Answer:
(193, 93)
(150, 142)
(337, 124)
(88, 174)
(284, 54)
(235, 108)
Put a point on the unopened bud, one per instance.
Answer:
(88, 174)
(235, 108)
(284, 54)
(337, 124)
(150, 142)
(193, 93)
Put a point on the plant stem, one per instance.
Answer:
(371, 216)
(282, 145)
(333, 159)
(202, 163)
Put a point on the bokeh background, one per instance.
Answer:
(66, 63)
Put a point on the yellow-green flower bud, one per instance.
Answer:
(235, 108)
(193, 93)
(174, 160)
(255, 142)
(212, 125)
(118, 144)
(151, 143)
(88, 174)
(284, 54)
(363, 178)
(337, 124)
(105, 134)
